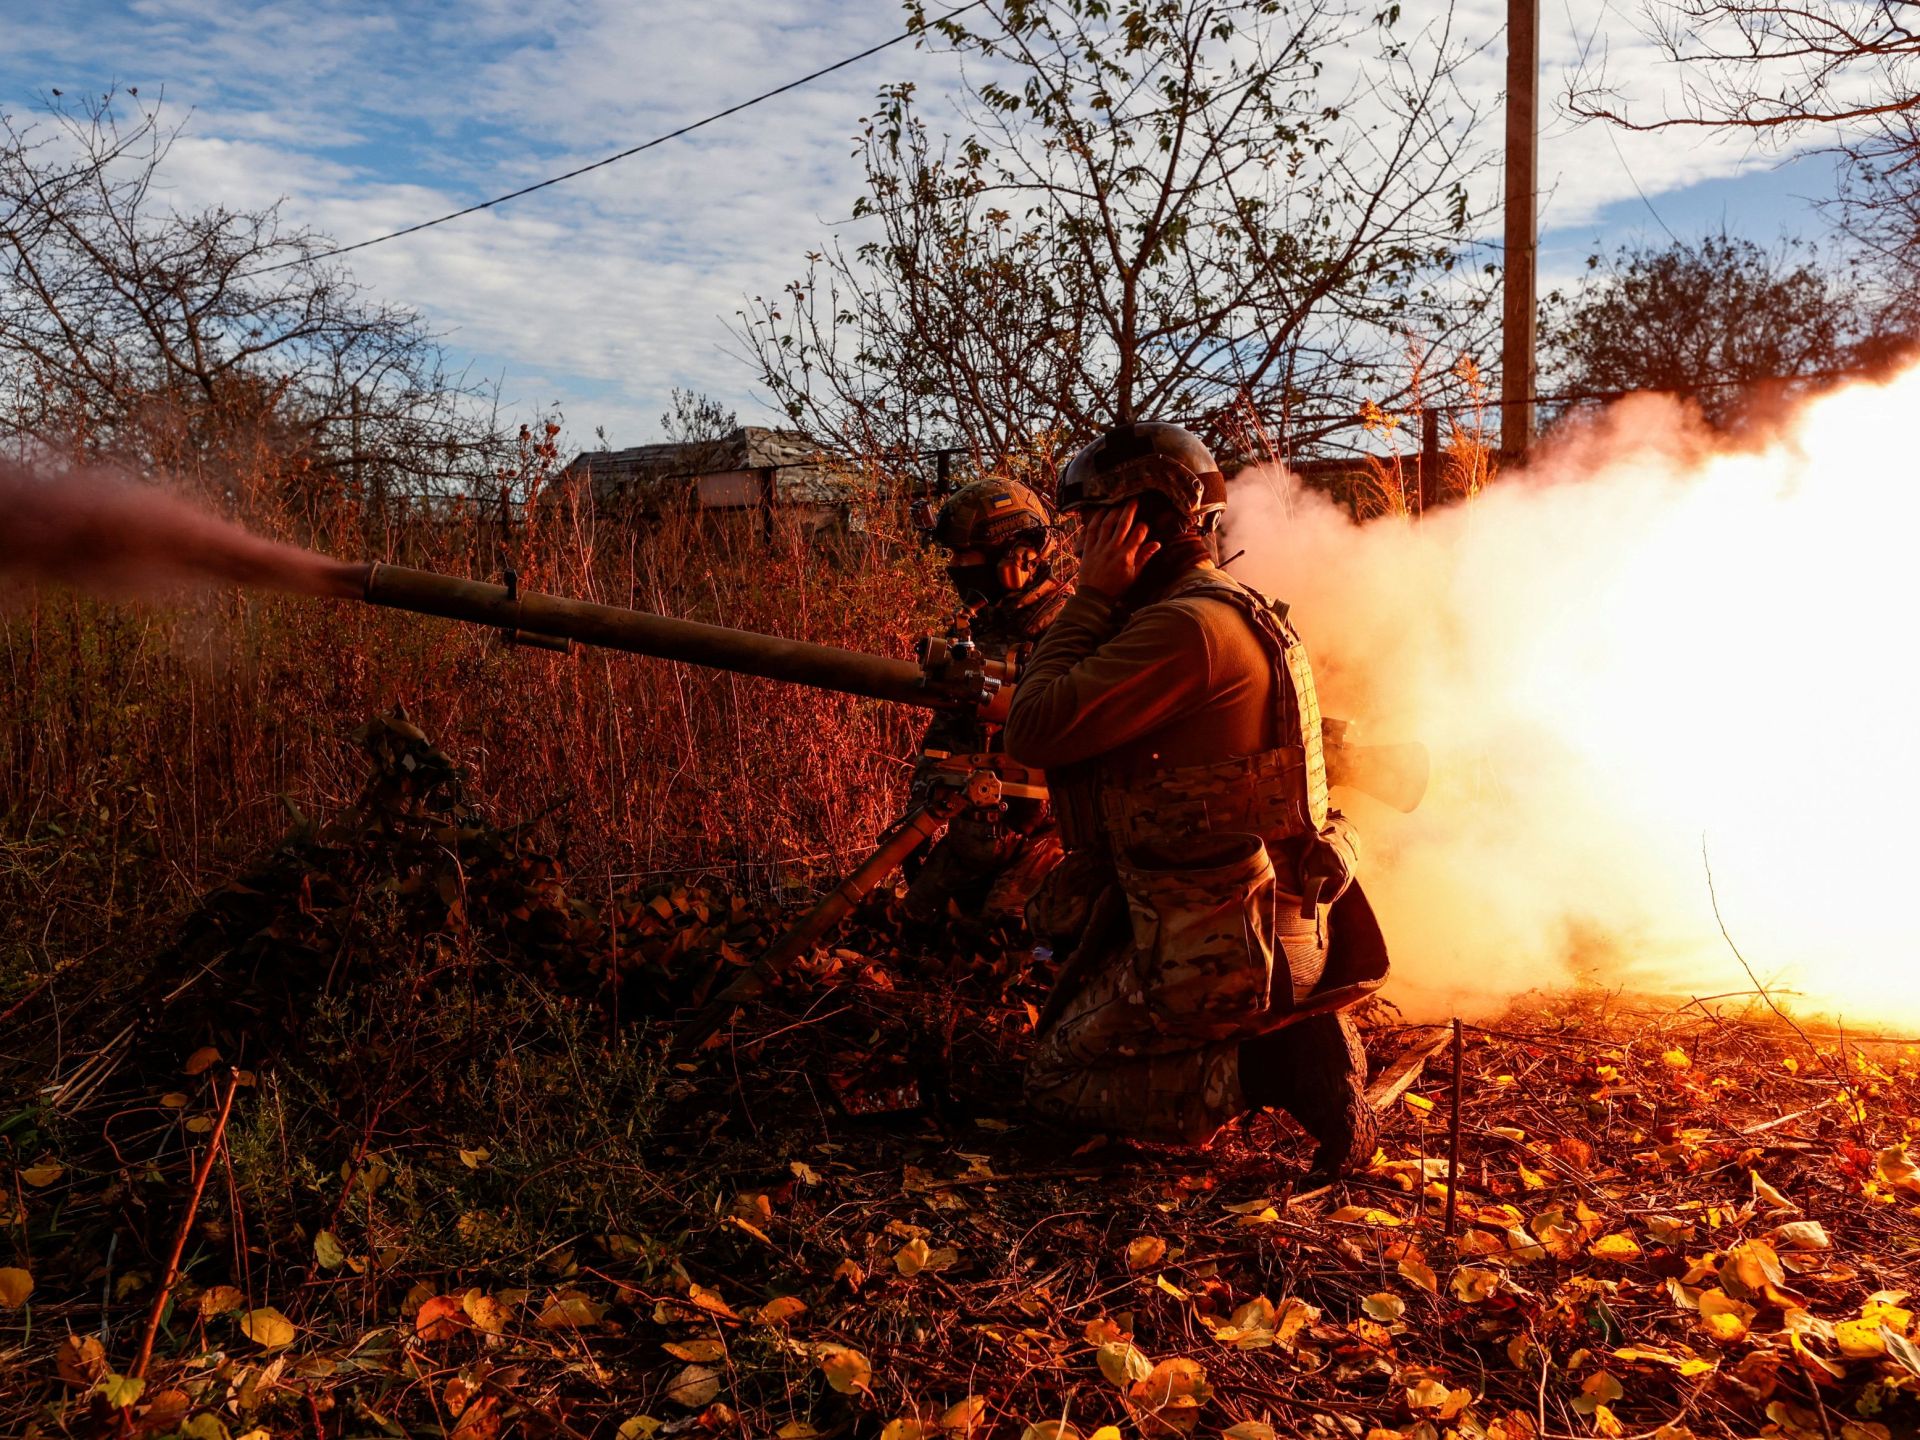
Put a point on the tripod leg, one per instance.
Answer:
(906, 835)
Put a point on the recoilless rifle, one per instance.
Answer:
(950, 674)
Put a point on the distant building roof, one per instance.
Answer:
(751, 447)
(746, 467)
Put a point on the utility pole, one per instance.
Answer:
(1522, 208)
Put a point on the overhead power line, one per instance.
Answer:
(910, 33)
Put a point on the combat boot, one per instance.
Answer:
(1316, 1070)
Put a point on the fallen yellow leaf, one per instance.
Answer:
(267, 1328)
(780, 1309)
(1618, 1247)
(1122, 1363)
(1251, 1325)
(1364, 1215)
(710, 1301)
(846, 1370)
(1474, 1283)
(120, 1391)
(571, 1312)
(914, 1256)
(1801, 1235)
(1416, 1271)
(1145, 1252)
(1750, 1267)
(219, 1299)
(1169, 1397)
(965, 1417)
(81, 1359)
(694, 1387)
(15, 1286)
(1725, 1318)
(1859, 1339)
(487, 1313)
(1896, 1168)
(1600, 1388)
(1434, 1397)
(1767, 1195)
(1384, 1307)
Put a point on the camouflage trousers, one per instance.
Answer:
(1148, 1046)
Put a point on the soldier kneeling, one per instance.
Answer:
(1173, 710)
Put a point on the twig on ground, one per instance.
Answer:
(1453, 1144)
(172, 1272)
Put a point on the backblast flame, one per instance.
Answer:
(1650, 661)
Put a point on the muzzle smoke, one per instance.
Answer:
(98, 531)
(1641, 649)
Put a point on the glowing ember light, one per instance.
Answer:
(1644, 646)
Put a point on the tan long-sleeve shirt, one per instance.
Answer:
(1183, 681)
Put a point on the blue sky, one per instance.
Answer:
(602, 295)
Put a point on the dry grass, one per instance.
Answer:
(147, 749)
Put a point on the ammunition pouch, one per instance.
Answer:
(1216, 937)
(1202, 923)
(1191, 811)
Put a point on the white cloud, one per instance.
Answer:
(604, 292)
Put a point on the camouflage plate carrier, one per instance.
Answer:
(1216, 868)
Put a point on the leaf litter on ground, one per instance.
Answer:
(470, 1187)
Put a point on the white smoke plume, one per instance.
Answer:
(1643, 647)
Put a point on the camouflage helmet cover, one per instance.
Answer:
(989, 514)
(1147, 456)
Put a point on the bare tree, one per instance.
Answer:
(1158, 208)
(697, 419)
(134, 331)
(1848, 69)
(1760, 65)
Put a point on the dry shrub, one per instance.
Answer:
(146, 750)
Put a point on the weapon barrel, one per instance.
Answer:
(615, 628)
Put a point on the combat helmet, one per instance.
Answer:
(1001, 538)
(992, 514)
(1147, 457)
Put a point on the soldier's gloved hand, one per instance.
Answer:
(1113, 550)
(1328, 862)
